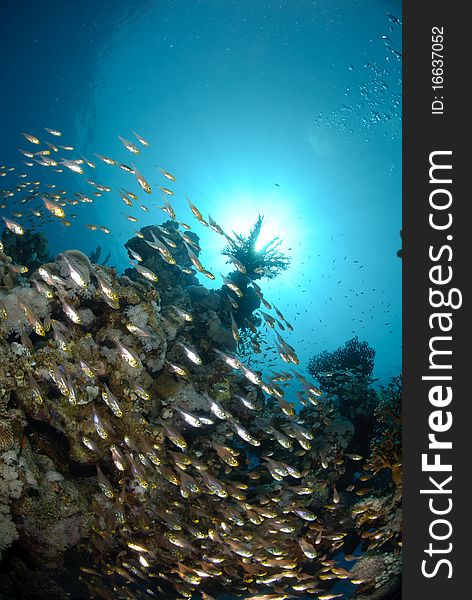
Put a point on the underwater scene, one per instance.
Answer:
(200, 300)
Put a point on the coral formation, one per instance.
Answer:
(266, 261)
(10, 489)
(252, 263)
(146, 452)
(386, 440)
(354, 358)
(30, 249)
(160, 456)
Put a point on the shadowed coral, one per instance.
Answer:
(266, 261)
(30, 249)
(356, 357)
(386, 452)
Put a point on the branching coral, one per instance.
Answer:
(355, 358)
(267, 261)
(252, 263)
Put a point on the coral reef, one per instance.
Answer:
(146, 451)
(252, 263)
(30, 249)
(10, 489)
(345, 376)
(386, 440)
(354, 358)
(142, 442)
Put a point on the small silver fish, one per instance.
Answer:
(189, 417)
(129, 146)
(142, 182)
(70, 312)
(128, 355)
(140, 139)
(191, 353)
(13, 226)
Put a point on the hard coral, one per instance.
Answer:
(355, 357)
(386, 444)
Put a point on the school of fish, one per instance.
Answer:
(262, 513)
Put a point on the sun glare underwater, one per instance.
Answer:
(200, 300)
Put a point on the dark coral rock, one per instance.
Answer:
(355, 356)
(30, 250)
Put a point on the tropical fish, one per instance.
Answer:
(126, 199)
(105, 287)
(54, 132)
(127, 354)
(140, 331)
(164, 251)
(141, 140)
(72, 165)
(189, 418)
(177, 369)
(102, 427)
(106, 159)
(33, 320)
(142, 182)
(214, 225)
(191, 353)
(70, 312)
(135, 255)
(197, 214)
(229, 359)
(128, 145)
(76, 274)
(234, 329)
(111, 401)
(218, 410)
(104, 483)
(227, 455)
(13, 226)
(147, 273)
(86, 369)
(31, 138)
(167, 175)
(246, 402)
(174, 436)
(244, 434)
(183, 314)
(232, 286)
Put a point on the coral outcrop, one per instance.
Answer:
(138, 440)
